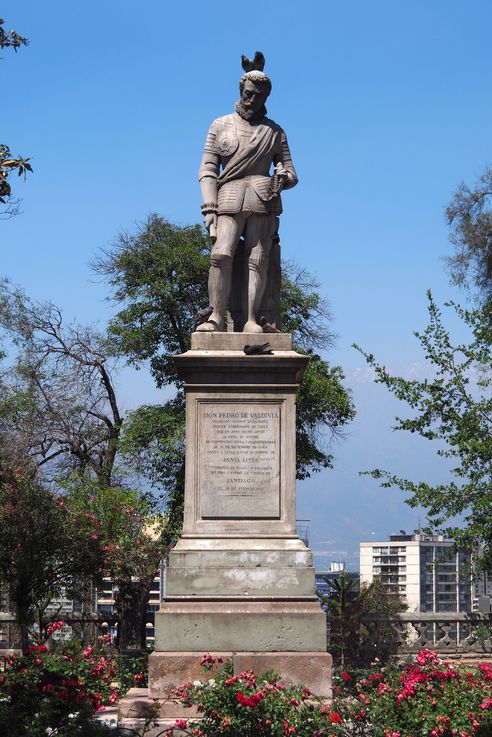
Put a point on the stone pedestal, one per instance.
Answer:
(240, 582)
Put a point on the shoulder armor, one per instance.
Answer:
(226, 138)
(224, 120)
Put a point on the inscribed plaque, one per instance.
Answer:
(239, 459)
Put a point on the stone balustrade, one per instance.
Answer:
(448, 633)
(85, 627)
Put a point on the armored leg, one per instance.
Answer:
(258, 242)
(229, 229)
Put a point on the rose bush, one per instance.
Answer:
(428, 698)
(247, 705)
(42, 690)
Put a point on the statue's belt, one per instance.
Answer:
(261, 185)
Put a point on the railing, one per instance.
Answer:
(83, 626)
(445, 632)
(413, 631)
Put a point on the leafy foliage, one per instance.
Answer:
(323, 408)
(159, 275)
(11, 39)
(428, 698)
(153, 443)
(58, 406)
(350, 641)
(44, 548)
(8, 163)
(304, 312)
(153, 436)
(130, 534)
(128, 528)
(247, 705)
(59, 415)
(470, 216)
(453, 409)
(42, 690)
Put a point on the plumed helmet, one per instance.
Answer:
(254, 72)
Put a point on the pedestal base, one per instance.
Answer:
(240, 582)
(240, 626)
(169, 670)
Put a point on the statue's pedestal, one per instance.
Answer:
(240, 582)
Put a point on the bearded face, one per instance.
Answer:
(251, 105)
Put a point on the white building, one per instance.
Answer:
(421, 569)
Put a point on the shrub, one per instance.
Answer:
(246, 705)
(132, 671)
(41, 690)
(428, 698)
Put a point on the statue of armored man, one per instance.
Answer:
(246, 164)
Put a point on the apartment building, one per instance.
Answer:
(421, 569)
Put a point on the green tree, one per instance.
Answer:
(158, 276)
(323, 408)
(43, 548)
(353, 637)
(130, 534)
(343, 607)
(60, 417)
(8, 163)
(11, 39)
(378, 637)
(469, 215)
(58, 405)
(323, 405)
(153, 442)
(453, 409)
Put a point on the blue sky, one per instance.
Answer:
(387, 108)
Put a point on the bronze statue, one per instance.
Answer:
(241, 204)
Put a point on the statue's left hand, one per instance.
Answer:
(283, 179)
(210, 222)
(281, 176)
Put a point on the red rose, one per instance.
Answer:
(335, 718)
(181, 723)
(345, 676)
(251, 701)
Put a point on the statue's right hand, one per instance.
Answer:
(210, 222)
